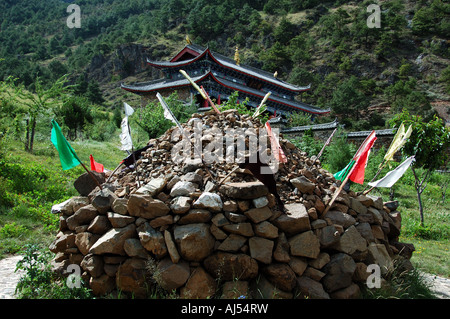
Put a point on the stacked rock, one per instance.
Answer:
(179, 230)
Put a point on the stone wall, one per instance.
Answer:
(180, 231)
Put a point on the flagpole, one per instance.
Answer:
(336, 194)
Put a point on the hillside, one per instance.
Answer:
(328, 44)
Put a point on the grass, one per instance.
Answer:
(431, 241)
(31, 183)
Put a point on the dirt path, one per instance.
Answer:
(9, 280)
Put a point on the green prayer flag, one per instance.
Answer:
(67, 155)
(341, 175)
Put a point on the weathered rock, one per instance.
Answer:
(171, 247)
(171, 276)
(131, 277)
(303, 184)
(82, 216)
(266, 230)
(152, 240)
(119, 206)
(134, 248)
(85, 241)
(281, 276)
(339, 272)
(209, 201)
(365, 231)
(217, 232)
(357, 206)
(244, 229)
(379, 255)
(227, 266)
(180, 204)
(257, 215)
(311, 289)
(219, 220)
(249, 190)
(161, 221)
(102, 285)
(112, 242)
(200, 285)
(85, 184)
(93, 264)
(61, 243)
(99, 225)
(232, 243)
(194, 241)
(153, 187)
(295, 221)
(320, 261)
(264, 289)
(351, 241)
(281, 252)
(147, 207)
(103, 199)
(235, 218)
(350, 292)
(260, 202)
(305, 245)
(340, 218)
(182, 188)
(261, 249)
(118, 220)
(298, 265)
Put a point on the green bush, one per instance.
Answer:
(39, 282)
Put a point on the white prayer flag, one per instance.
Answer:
(128, 109)
(125, 137)
(393, 176)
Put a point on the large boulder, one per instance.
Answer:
(195, 242)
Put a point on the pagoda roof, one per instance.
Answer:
(226, 63)
(209, 76)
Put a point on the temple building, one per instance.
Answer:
(220, 76)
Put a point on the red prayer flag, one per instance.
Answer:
(96, 166)
(275, 145)
(361, 156)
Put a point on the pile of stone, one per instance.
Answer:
(179, 230)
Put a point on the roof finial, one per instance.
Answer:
(188, 41)
(236, 56)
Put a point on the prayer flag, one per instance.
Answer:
(397, 143)
(128, 109)
(360, 158)
(96, 166)
(393, 176)
(125, 137)
(341, 175)
(275, 145)
(258, 109)
(67, 155)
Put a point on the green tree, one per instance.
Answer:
(35, 104)
(348, 101)
(429, 143)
